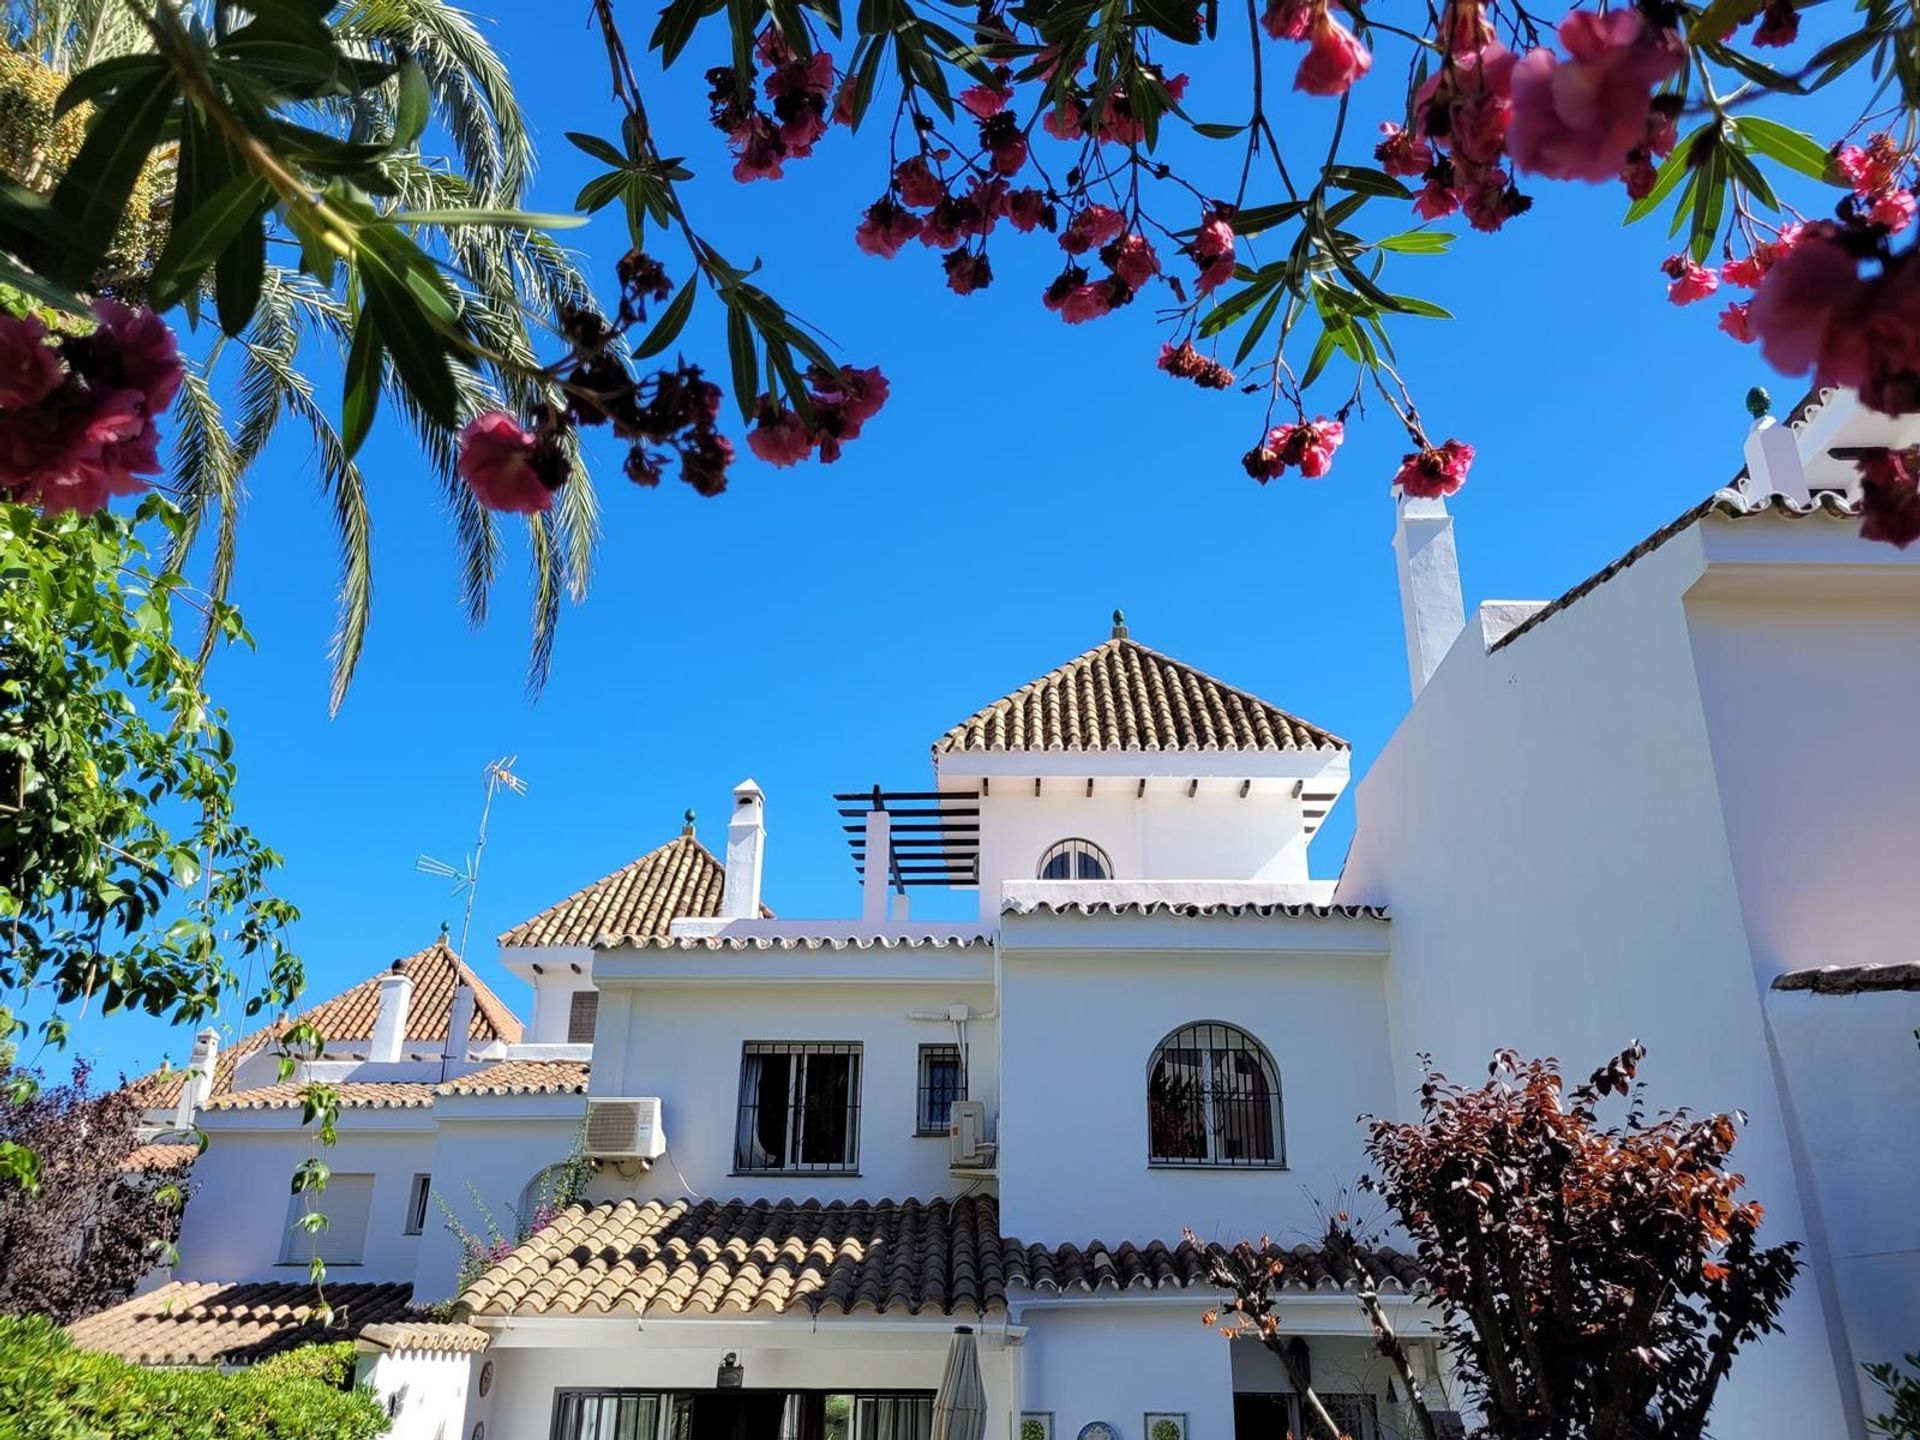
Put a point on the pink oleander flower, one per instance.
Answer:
(1308, 445)
(967, 273)
(778, 437)
(1779, 24)
(1639, 175)
(1435, 201)
(1132, 259)
(1874, 169)
(1085, 302)
(1335, 58)
(758, 150)
(1213, 251)
(497, 460)
(1889, 496)
(1894, 210)
(918, 185)
(1187, 363)
(885, 228)
(1091, 228)
(1401, 152)
(1287, 19)
(1799, 297)
(983, 102)
(1490, 202)
(1464, 28)
(93, 454)
(143, 344)
(1691, 281)
(1436, 471)
(1028, 210)
(29, 367)
(1576, 119)
(1066, 121)
(1007, 149)
(1737, 322)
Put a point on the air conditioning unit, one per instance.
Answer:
(624, 1130)
(967, 1147)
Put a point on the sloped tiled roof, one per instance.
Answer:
(1122, 696)
(209, 1323)
(435, 971)
(1728, 504)
(161, 1157)
(522, 1077)
(737, 1256)
(354, 1095)
(637, 902)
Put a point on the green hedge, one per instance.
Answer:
(51, 1391)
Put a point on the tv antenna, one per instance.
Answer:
(496, 775)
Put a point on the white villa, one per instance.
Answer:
(1679, 803)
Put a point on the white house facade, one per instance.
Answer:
(1676, 804)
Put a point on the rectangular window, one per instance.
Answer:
(606, 1415)
(581, 1016)
(346, 1202)
(892, 1417)
(418, 1199)
(799, 1107)
(943, 1080)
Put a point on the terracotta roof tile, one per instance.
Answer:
(522, 1077)
(200, 1323)
(350, 1015)
(161, 1157)
(1123, 696)
(424, 1335)
(915, 1256)
(354, 1095)
(1195, 909)
(1852, 979)
(637, 902)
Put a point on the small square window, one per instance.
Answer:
(799, 1107)
(346, 1203)
(419, 1197)
(582, 1015)
(943, 1080)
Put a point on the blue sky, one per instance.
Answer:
(817, 628)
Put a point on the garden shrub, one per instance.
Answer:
(51, 1391)
(331, 1364)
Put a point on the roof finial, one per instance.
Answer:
(1759, 402)
(686, 827)
(1119, 624)
(445, 930)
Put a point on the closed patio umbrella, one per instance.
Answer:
(960, 1409)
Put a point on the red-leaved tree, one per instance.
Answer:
(1596, 1279)
(82, 1237)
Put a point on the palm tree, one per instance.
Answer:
(508, 274)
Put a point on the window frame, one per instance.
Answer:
(297, 1247)
(1079, 849)
(924, 1092)
(1204, 1039)
(419, 1202)
(574, 1008)
(795, 1109)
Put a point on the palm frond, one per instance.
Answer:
(549, 580)
(473, 93)
(204, 459)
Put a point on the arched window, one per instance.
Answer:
(540, 1199)
(1213, 1098)
(1075, 860)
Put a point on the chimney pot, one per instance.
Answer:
(1431, 606)
(390, 1024)
(459, 1022)
(197, 1089)
(746, 853)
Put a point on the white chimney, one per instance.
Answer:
(746, 853)
(1430, 603)
(879, 853)
(198, 1086)
(1773, 461)
(459, 1022)
(390, 1025)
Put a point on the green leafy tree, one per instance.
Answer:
(127, 881)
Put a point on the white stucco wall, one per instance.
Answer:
(235, 1225)
(428, 1394)
(1546, 827)
(1115, 1361)
(1852, 1068)
(1810, 701)
(495, 1147)
(1079, 1027)
(1164, 835)
(684, 1045)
